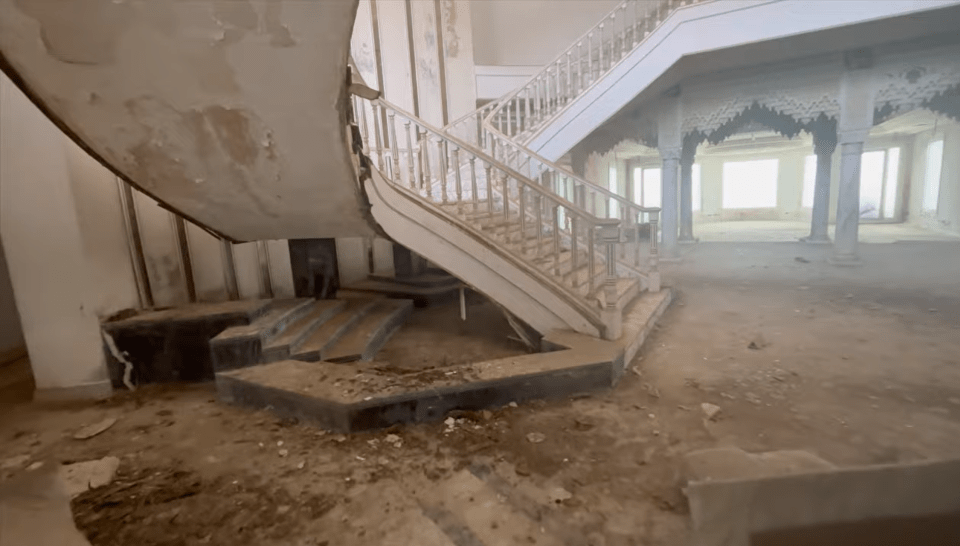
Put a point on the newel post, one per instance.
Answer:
(612, 317)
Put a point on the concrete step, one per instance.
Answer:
(316, 344)
(281, 346)
(627, 290)
(365, 338)
(421, 294)
(241, 346)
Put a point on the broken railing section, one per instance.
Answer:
(462, 180)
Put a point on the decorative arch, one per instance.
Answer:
(784, 124)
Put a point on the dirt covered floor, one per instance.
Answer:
(858, 366)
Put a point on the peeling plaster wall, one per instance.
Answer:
(69, 263)
(226, 110)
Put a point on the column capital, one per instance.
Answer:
(670, 153)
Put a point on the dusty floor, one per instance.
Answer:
(859, 366)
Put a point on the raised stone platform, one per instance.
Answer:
(361, 396)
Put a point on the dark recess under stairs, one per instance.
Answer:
(194, 342)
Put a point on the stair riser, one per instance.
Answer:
(274, 354)
(318, 355)
(380, 337)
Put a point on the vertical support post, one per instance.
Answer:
(687, 157)
(183, 250)
(425, 154)
(824, 144)
(441, 61)
(138, 260)
(456, 171)
(412, 54)
(411, 162)
(555, 221)
(846, 241)
(488, 182)
(574, 251)
(522, 194)
(266, 279)
(229, 270)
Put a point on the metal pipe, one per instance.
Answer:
(412, 54)
(441, 61)
(138, 259)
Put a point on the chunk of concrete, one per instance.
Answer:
(733, 463)
(920, 503)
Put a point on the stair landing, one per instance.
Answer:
(363, 396)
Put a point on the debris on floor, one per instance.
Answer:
(35, 511)
(97, 428)
(79, 477)
(710, 411)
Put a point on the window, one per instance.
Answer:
(890, 185)
(697, 192)
(879, 179)
(931, 176)
(871, 183)
(809, 181)
(750, 184)
(646, 187)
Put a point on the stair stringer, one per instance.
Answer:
(478, 261)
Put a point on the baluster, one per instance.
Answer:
(473, 183)
(580, 84)
(575, 250)
(488, 182)
(411, 174)
(600, 67)
(569, 93)
(589, 58)
(526, 106)
(623, 217)
(516, 114)
(654, 273)
(593, 202)
(377, 130)
(522, 194)
(456, 170)
(556, 240)
(591, 257)
(506, 198)
(636, 238)
(427, 176)
(364, 130)
(536, 99)
(508, 113)
(442, 171)
(394, 148)
(539, 201)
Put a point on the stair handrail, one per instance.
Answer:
(423, 151)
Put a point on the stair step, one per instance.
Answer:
(241, 346)
(627, 290)
(280, 346)
(365, 338)
(317, 343)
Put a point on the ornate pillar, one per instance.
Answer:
(668, 178)
(687, 157)
(848, 204)
(670, 143)
(857, 97)
(824, 144)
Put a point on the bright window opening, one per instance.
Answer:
(890, 185)
(879, 180)
(931, 176)
(809, 181)
(750, 184)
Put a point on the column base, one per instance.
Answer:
(845, 260)
(811, 240)
(88, 391)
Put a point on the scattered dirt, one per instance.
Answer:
(871, 378)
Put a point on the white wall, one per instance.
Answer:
(11, 333)
(531, 32)
(66, 249)
(947, 216)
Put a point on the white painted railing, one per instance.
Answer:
(524, 215)
(501, 126)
